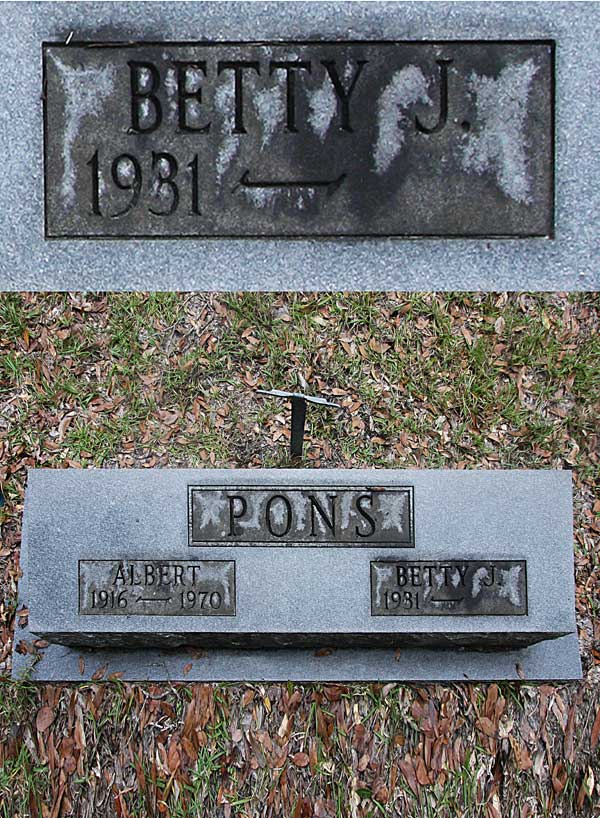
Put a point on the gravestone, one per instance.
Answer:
(347, 574)
(402, 146)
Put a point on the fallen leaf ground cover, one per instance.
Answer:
(457, 381)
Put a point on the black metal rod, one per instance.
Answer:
(298, 421)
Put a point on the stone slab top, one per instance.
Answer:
(78, 522)
(567, 261)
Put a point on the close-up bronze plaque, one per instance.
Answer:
(283, 515)
(411, 139)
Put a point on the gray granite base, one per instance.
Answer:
(556, 659)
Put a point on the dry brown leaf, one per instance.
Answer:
(559, 777)
(486, 726)
(408, 770)
(421, 772)
(378, 346)
(524, 761)
(45, 717)
(300, 759)
(595, 735)
(99, 673)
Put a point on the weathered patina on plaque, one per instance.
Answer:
(460, 587)
(299, 139)
(280, 515)
(157, 587)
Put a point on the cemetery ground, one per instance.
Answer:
(439, 381)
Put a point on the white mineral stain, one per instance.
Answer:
(270, 109)
(279, 513)
(254, 521)
(304, 197)
(211, 504)
(125, 170)
(260, 196)
(407, 86)
(159, 188)
(322, 107)
(171, 89)
(267, 196)
(392, 508)
(498, 145)
(346, 509)
(478, 577)
(322, 102)
(383, 575)
(85, 89)
(222, 572)
(439, 578)
(509, 587)
(230, 142)
(300, 510)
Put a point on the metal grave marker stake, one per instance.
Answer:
(298, 401)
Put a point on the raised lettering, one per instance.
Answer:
(238, 67)
(363, 513)
(288, 509)
(186, 96)
(290, 67)
(443, 115)
(343, 94)
(234, 530)
(328, 520)
(144, 102)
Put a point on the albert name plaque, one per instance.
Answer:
(157, 587)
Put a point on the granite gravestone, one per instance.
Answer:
(177, 146)
(270, 570)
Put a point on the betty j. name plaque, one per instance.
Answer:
(409, 139)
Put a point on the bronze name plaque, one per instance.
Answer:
(414, 139)
(346, 516)
(459, 587)
(157, 587)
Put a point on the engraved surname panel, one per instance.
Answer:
(299, 139)
(157, 587)
(459, 587)
(319, 516)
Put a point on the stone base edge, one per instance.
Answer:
(556, 660)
